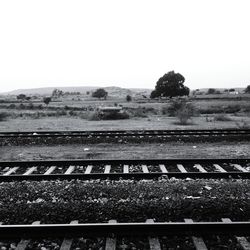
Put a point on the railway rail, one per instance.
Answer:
(125, 169)
(116, 135)
(208, 132)
(196, 231)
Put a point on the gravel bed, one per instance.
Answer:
(88, 243)
(116, 169)
(135, 169)
(132, 243)
(175, 242)
(44, 244)
(126, 201)
(215, 242)
(59, 170)
(128, 139)
(8, 244)
(4, 170)
(190, 168)
(79, 170)
(154, 169)
(172, 168)
(41, 170)
(98, 169)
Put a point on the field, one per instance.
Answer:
(134, 201)
(147, 115)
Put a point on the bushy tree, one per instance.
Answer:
(182, 109)
(128, 98)
(153, 94)
(47, 100)
(3, 116)
(170, 85)
(21, 97)
(57, 93)
(247, 90)
(100, 93)
(211, 91)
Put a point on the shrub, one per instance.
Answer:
(183, 110)
(233, 109)
(21, 106)
(164, 110)
(31, 106)
(12, 106)
(94, 116)
(242, 125)
(247, 90)
(183, 115)
(174, 107)
(47, 100)
(211, 91)
(128, 98)
(3, 116)
(21, 97)
(72, 113)
(61, 113)
(97, 116)
(40, 106)
(115, 116)
(222, 118)
(139, 112)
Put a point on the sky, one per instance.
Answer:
(126, 43)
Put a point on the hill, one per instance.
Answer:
(112, 91)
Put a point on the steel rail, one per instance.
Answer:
(122, 161)
(214, 132)
(110, 229)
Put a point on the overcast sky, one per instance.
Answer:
(127, 43)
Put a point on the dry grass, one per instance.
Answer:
(152, 122)
(124, 151)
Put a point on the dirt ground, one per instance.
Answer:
(152, 122)
(121, 151)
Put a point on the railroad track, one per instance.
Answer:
(197, 234)
(125, 169)
(17, 138)
(113, 133)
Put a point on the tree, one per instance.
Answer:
(21, 97)
(231, 90)
(153, 94)
(128, 98)
(100, 93)
(247, 90)
(57, 93)
(211, 91)
(169, 85)
(47, 100)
